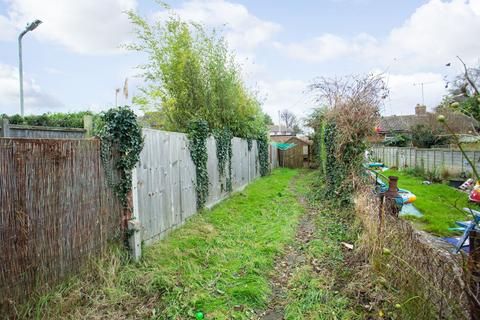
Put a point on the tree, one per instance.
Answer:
(398, 140)
(191, 75)
(267, 119)
(426, 136)
(289, 119)
(463, 94)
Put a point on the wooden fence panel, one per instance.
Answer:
(166, 179)
(56, 209)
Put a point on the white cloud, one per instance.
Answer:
(7, 30)
(285, 94)
(406, 92)
(243, 31)
(36, 101)
(86, 26)
(434, 34)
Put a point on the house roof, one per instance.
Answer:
(459, 122)
(400, 123)
(291, 139)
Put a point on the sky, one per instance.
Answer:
(75, 60)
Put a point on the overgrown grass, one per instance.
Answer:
(316, 289)
(439, 203)
(218, 263)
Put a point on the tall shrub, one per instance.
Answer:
(190, 75)
(353, 111)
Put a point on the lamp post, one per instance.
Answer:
(30, 27)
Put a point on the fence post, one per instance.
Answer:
(134, 225)
(5, 128)
(88, 125)
(474, 274)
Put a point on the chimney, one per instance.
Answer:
(420, 110)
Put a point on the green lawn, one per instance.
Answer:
(437, 202)
(218, 263)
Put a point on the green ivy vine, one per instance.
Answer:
(249, 144)
(197, 135)
(223, 140)
(121, 136)
(331, 168)
(339, 166)
(262, 144)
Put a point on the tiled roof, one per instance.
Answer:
(458, 122)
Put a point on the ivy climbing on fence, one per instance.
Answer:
(262, 144)
(223, 140)
(197, 135)
(120, 134)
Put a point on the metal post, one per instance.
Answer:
(30, 27)
(20, 71)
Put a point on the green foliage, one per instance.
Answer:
(470, 106)
(424, 136)
(223, 140)
(267, 119)
(398, 140)
(334, 174)
(192, 75)
(249, 143)
(341, 167)
(122, 140)
(262, 144)
(316, 121)
(65, 120)
(198, 133)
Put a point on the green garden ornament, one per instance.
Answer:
(199, 315)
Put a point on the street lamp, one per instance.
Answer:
(30, 27)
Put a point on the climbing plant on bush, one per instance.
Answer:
(223, 140)
(120, 135)
(197, 135)
(352, 113)
(332, 173)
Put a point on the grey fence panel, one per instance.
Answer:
(165, 185)
(24, 131)
(429, 159)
